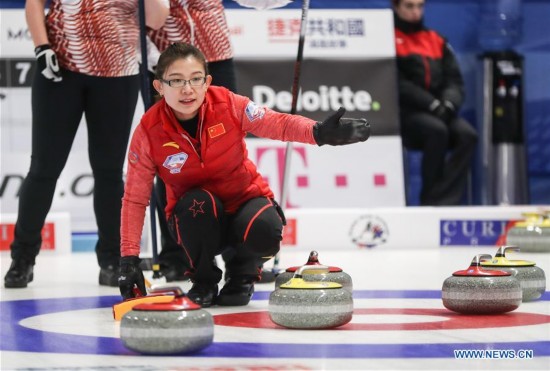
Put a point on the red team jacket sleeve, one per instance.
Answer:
(266, 123)
(137, 192)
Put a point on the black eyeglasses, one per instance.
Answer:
(179, 83)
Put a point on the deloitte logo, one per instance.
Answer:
(327, 98)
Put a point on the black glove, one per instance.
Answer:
(337, 131)
(445, 110)
(46, 62)
(130, 276)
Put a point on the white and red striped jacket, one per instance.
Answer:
(200, 23)
(95, 37)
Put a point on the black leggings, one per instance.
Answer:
(200, 225)
(57, 108)
(443, 178)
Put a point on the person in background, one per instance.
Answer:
(86, 64)
(431, 93)
(201, 23)
(193, 139)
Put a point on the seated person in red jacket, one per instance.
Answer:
(193, 139)
(431, 92)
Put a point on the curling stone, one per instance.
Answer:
(164, 294)
(481, 291)
(531, 234)
(302, 304)
(334, 274)
(180, 326)
(531, 277)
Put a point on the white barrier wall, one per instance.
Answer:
(399, 228)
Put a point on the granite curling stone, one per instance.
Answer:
(159, 294)
(480, 291)
(334, 274)
(531, 278)
(302, 304)
(531, 234)
(180, 326)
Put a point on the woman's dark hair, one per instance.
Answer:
(178, 51)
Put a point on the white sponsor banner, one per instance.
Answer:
(331, 33)
(345, 176)
(73, 193)
(389, 228)
(15, 38)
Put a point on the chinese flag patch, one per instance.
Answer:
(216, 130)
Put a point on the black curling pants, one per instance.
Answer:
(443, 174)
(108, 105)
(203, 230)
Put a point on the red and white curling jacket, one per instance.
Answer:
(216, 161)
(201, 23)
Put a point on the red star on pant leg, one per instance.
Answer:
(197, 208)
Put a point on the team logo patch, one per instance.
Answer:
(253, 111)
(216, 130)
(174, 163)
(369, 231)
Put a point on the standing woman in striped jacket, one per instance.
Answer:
(86, 64)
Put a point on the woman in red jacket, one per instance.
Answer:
(201, 23)
(193, 139)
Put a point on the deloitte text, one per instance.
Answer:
(327, 98)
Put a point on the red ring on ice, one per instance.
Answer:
(451, 320)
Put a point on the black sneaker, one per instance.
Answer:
(19, 274)
(109, 276)
(203, 294)
(237, 291)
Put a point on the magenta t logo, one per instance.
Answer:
(280, 166)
